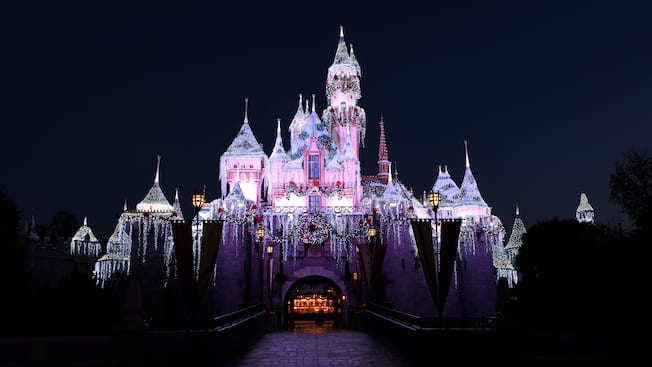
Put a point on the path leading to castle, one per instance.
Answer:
(319, 349)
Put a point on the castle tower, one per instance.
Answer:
(343, 92)
(584, 212)
(244, 161)
(278, 158)
(383, 155)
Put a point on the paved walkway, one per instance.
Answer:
(340, 347)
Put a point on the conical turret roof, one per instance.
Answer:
(85, 233)
(177, 206)
(469, 192)
(278, 153)
(518, 230)
(445, 185)
(245, 143)
(342, 54)
(155, 200)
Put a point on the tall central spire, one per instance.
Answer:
(383, 154)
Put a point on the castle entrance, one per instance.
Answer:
(314, 304)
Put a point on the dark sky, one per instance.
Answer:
(548, 94)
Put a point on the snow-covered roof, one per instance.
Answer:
(177, 206)
(445, 185)
(584, 204)
(278, 153)
(518, 230)
(85, 233)
(469, 193)
(155, 200)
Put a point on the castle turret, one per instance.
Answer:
(155, 200)
(277, 159)
(383, 154)
(584, 212)
(343, 92)
(244, 161)
(469, 202)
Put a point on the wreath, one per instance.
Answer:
(313, 229)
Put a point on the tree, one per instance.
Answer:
(9, 219)
(63, 224)
(631, 186)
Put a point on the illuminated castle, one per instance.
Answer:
(333, 234)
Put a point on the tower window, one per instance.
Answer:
(313, 167)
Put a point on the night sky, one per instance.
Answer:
(548, 95)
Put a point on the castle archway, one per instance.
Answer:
(314, 302)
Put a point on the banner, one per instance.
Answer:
(365, 257)
(182, 236)
(210, 244)
(377, 262)
(423, 236)
(450, 234)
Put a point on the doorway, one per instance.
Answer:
(314, 304)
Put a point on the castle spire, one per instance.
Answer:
(466, 153)
(313, 102)
(124, 207)
(85, 221)
(246, 119)
(342, 54)
(158, 164)
(517, 211)
(383, 155)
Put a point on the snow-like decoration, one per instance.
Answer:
(84, 242)
(585, 212)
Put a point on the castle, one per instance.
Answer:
(302, 230)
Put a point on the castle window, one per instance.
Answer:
(313, 203)
(313, 167)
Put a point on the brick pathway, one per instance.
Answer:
(312, 348)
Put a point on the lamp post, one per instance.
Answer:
(260, 236)
(198, 198)
(434, 198)
(269, 249)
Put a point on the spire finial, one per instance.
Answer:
(246, 119)
(389, 175)
(446, 168)
(176, 194)
(85, 221)
(466, 153)
(313, 102)
(158, 163)
(341, 31)
(278, 127)
(517, 212)
(124, 207)
(439, 169)
(300, 101)
(307, 107)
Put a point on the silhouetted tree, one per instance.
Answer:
(631, 186)
(13, 270)
(567, 267)
(9, 219)
(63, 224)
